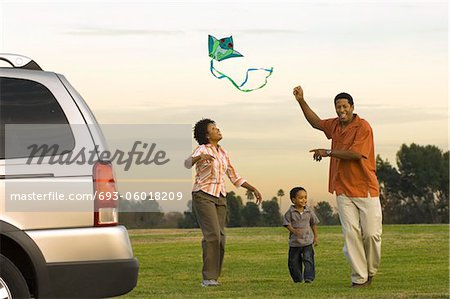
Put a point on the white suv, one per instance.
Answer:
(45, 253)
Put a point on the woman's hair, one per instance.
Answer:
(200, 130)
(294, 192)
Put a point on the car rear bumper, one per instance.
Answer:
(94, 279)
(83, 244)
(91, 262)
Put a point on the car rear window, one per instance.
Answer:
(39, 114)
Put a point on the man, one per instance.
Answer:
(352, 178)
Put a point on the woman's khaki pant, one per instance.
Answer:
(211, 213)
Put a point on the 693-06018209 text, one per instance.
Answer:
(157, 195)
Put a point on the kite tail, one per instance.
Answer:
(222, 75)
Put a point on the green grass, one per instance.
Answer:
(415, 264)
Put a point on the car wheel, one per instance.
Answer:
(12, 283)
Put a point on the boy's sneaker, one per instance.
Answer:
(210, 283)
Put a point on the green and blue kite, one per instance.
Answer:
(221, 49)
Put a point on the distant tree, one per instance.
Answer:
(391, 202)
(171, 220)
(234, 207)
(251, 215)
(418, 191)
(151, 219)
(324, 212)
(139, 214)
(271, 213)
(149, 206)
(249, 195)
(189, 220)
(280, 194)
(127, 219)
(443, 203)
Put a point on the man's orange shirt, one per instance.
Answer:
(351, 177)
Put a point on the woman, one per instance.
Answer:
(212, 163)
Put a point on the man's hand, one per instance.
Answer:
(319, 153)
(298, 93)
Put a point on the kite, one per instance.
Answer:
(221, 49)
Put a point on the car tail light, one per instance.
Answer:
(106, 205)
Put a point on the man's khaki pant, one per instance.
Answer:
(361, 221)
(211, 213)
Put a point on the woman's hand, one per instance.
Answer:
(255, 191)
(258, 196)
(189, 162)
(206, 158)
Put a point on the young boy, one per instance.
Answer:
(301, 221)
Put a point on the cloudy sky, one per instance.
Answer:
(147, 62)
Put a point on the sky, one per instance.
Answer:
(146, 62)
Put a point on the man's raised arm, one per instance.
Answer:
(310, 115)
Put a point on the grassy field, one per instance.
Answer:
(415, 264)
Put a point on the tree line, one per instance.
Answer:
(238, 214)
(416, 191)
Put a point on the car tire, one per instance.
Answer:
(12, 282)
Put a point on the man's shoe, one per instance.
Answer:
(369, 279)
(210, 283)
(360, 285)
(308, 281)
